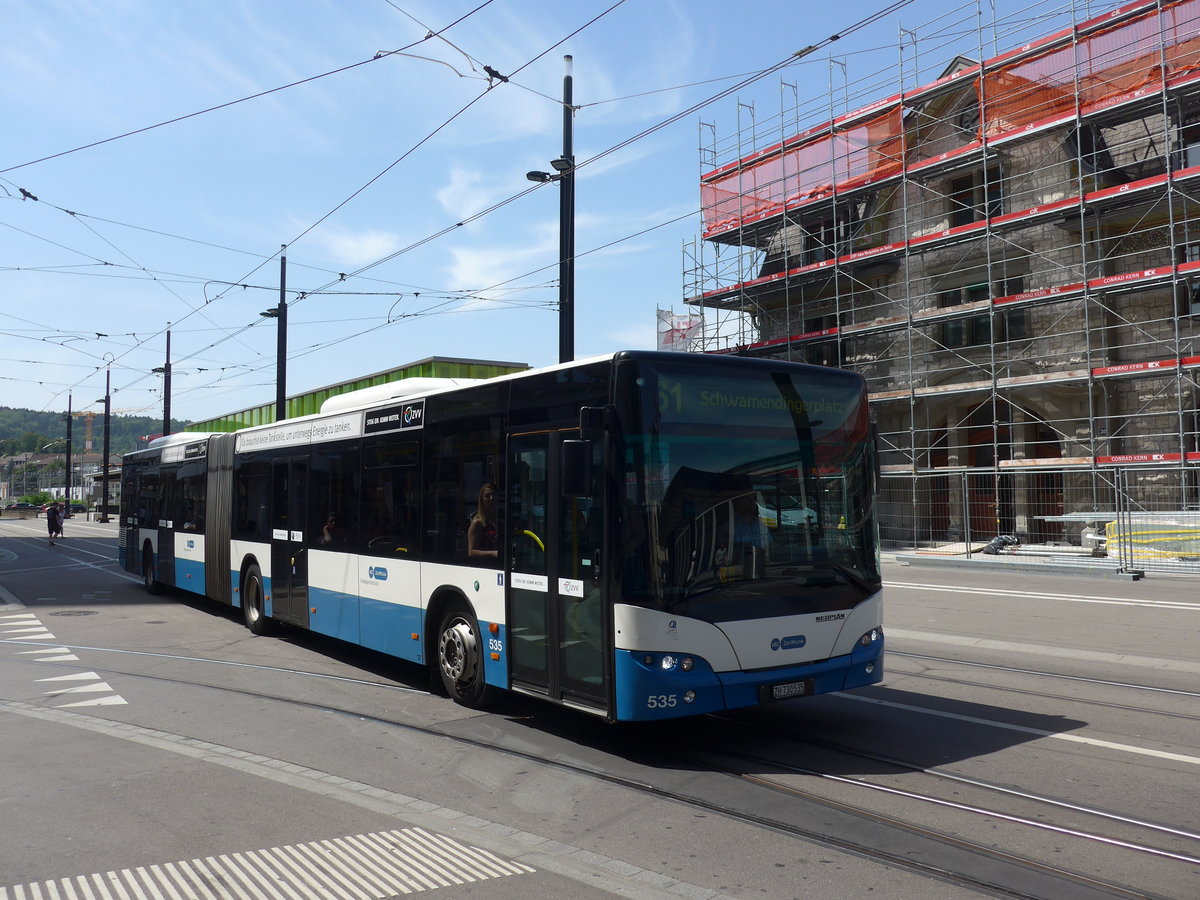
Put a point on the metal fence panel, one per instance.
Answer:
(1134, 518)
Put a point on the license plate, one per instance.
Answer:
(791, 689)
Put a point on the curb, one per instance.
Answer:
(1060, 567)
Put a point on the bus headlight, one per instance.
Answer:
(689, 696)
(870, 637)
(687, 664)
(668, 661)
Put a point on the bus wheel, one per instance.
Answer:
(254, 603)
(152, 586)
(460, 656)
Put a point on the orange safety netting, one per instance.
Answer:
(865, 150)
(1144, 51)
(1110, 63)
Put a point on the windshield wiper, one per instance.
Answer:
(853, 577)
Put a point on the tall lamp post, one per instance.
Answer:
(165, 371)
(564, 174)
(279, 313)
(67, 462)
(107, 400)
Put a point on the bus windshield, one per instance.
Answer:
(748, 492)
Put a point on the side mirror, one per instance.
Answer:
(592, 420)
(576, 468)
(878, 467)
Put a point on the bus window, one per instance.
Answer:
(333, 497)
(188, 497)
(253, 478)
(390, 510)
(150, 496)
(463, 451)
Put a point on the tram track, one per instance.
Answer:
(1113, 830)
(859, 827)
(1028, 692)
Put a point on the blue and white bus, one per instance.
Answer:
(641, 536)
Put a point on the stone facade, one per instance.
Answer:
(1027, 308)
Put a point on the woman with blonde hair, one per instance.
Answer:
(483, 532)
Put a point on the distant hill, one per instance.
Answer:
(28, 431)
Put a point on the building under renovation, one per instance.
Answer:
(1005, 242)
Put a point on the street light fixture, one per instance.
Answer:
(564, 174)
(165, 371)
(280, 314)
(107, 401)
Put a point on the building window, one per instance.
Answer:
(968, 121)
(975, 197)
(1189, 144)
(823, 352)
(1189, 286)
(1094, 157)
(977, 330)
(832, 237)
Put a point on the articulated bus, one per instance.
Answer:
(640, 536)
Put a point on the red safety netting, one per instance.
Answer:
(853, 154)
(1108, 64)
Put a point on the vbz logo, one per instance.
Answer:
(377, 573)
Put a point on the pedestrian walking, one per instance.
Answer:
(62, 517)
(52, 521)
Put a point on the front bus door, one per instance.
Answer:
(289, 561)
(557, 618)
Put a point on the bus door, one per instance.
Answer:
(289, 561)
(557, 619)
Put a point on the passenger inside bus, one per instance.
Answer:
(483, 532)
(331, 531)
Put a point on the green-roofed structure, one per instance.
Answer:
(310, 401)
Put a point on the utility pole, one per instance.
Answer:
(107, 436)
(67, 474)
(564, 174)
(279, 313)
(566, 227)
(167, 389)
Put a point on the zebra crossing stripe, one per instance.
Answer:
(357, 867)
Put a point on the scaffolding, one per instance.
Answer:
(1008, 251)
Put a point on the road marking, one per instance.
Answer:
(98, 688)
(1114, 659)
(358, 867)
(1058, 736)
(65, 654)
(110, 700)
(61, 654)
(1042, 595)
(75, 676)
(597, 871)
(32, 631)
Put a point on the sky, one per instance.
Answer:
(172, 153)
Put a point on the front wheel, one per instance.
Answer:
(460, 657)
(254, 603)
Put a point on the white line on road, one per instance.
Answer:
(1043, 595)
(1115, 659)
(1058, 736)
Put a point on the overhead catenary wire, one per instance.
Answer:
(362, 270)
(226, 105)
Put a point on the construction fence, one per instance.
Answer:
(1130, 519)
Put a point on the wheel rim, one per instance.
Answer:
(458, 656)
(253, 606)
